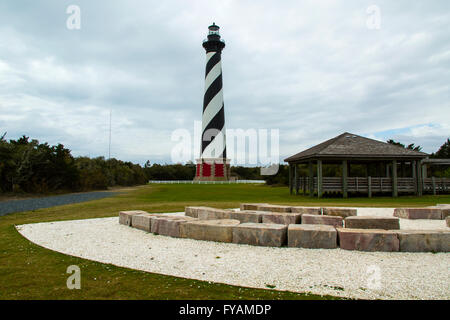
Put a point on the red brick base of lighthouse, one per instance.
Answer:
(215, 169)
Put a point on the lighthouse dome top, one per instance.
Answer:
(213, 43)
(214, 29)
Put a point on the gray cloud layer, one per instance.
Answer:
(311, 69)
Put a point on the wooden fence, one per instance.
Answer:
(436, 185)
(377, 185)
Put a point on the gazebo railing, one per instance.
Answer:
(436, 185)
(377, 184)
(380, 185)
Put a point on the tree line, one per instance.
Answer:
(29, 166)
(32, 167)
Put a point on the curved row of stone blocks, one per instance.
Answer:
(304, 227)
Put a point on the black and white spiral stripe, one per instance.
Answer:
(213, 119)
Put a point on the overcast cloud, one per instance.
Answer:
(312, 69)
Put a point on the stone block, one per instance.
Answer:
(334, 221)
(307, 210)
(424, 240)
(260, 234)
(125, 216)
(282, 218)
(168, 225)
(141, 221)
(366, 222)
(248, 216)
(214, 214)
(368, 240)
(445, 210)
(312, 236)
(210, 230)
(251, 206)
(445, 213)
(192, 211)
(274, 208)
(447, 220)
(342, 212)
(418, 213)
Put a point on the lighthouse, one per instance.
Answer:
(213, 163)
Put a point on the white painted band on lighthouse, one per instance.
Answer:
(213, 74)
(212, 109)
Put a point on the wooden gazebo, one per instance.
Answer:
(388, 168)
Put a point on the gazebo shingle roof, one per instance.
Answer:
(349, 145)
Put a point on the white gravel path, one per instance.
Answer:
(319, 271)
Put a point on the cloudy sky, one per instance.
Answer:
(312, 69)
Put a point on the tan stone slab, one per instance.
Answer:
(342, 212)
(168, 225)
(307, 210)
(368, 240)
(424, 240)
(334, 221)
(418, 213)
(125, 216)
(274, 208)
(214, 214)
(192, 211)
(260, 234)
(249, 216)
(282, 218)
(447, 220)
(141, 221)
(445, 213)
(210, 230)
(250, 206)
(312, 236)
(368, 222)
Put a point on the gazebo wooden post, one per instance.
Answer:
(344, 179)
(290, 178)
(296, 178)
(433, 184)
(319, 179)
(304, 185)
(419, 178)
(311, 179)
(369, 186)
(394, 179)
(414, 176)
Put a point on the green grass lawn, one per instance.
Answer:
(28, 271)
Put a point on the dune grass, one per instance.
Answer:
(28, 271)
